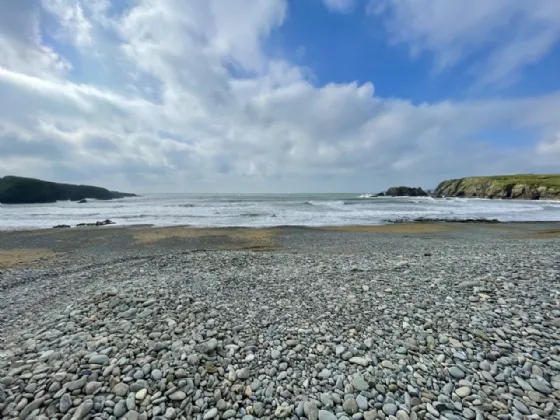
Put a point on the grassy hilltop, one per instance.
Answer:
(522, 186)
(19, 190)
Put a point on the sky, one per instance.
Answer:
(278, 95)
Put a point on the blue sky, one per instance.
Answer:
(278, 95)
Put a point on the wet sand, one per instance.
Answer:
(34, 248)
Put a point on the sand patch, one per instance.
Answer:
(19, 257)
(400, 228)
(231, 238)
(545, 234)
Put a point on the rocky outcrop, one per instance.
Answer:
(406, 191)
(19, 190)
(523, 187)
(98, 223)
(443, 220)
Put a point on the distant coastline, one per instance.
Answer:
(513, 187)
(21, 190)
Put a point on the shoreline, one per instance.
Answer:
(363, 321)
(391, 222)
(51, 247)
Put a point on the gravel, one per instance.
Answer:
(470, 331)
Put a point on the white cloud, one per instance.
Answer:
(194, 103)
(549, 149)
(340, 6)
(72, 23)
(508, 34)
(21, 47)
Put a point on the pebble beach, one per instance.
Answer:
(410, 321)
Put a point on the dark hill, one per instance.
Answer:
(19, 190)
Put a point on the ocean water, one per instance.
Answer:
(260, 210)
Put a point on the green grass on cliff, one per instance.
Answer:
(550, 181)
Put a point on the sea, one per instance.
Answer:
(266, 210)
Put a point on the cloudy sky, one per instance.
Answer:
(277, 95)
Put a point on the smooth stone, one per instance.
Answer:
(229, 414)
(98, 359)
(311, 411)
(390, 409)
(259, 409)
(359, 383)
(457, 373)
(210, 345)
(210, 414)
(362, 402)
(402, 415)
(326, 400)
(350, 406)
(243, 374)
(131, 401)
(83, 410)
(177, 396)
(140, 395)
(120, 409)
(156, 374)
(370, 415)
(74, 385)
(326, 415)
(540, 386)
(463, 391)
(359, 361)
(65, 403)
(92, 387)
(522, 408)
(120, 389)
(283, 411)
(32, 406)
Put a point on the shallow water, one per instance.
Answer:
(260, 210)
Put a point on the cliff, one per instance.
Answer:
(406, 191)
(523, 187)
(19, 190)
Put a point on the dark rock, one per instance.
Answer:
(61, 226)
(19, 190)
(406, 191)
(98, 223)
(82, 201)
(437, 220)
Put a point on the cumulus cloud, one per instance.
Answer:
(507, 34)
(194, 103)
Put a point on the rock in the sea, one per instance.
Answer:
(406, 191)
